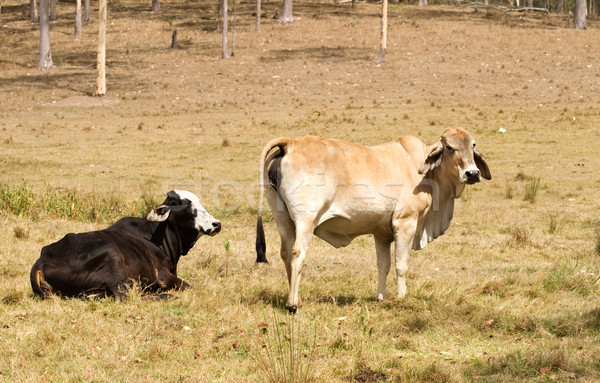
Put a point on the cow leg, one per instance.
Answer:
(384, 260)
(287, 233)
(405, 232)
(286, 229)
(167, 281)
(304, 234)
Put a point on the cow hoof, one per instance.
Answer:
(292, 309)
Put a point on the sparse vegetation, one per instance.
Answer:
(509, 293)
(287, 351)
(531, 189)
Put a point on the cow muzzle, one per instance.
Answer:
(216, 227)
(470, 176)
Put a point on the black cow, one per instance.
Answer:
(105, 262)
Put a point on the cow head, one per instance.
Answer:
(456, 155)
(186, 206)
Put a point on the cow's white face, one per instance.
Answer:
(205, 223)
(178, 200)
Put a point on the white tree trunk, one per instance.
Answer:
(155, 5)
(33, 11)
(422, 3)
(286, 12)
(45, 54)
(579, 21)
(224, 40)
(383, 41)
(257, 27)
(77, 18)
(101, 63)
(86, 11)
(233, 28)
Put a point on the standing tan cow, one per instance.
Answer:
(401, 191)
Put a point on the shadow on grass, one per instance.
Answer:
(277, 299)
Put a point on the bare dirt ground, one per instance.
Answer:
(185, 118)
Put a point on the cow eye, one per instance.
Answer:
(450, 148)
(474, 145)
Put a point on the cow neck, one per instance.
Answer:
(166, 237)
(438, 214)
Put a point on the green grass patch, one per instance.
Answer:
(20, 200)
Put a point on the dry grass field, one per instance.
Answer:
(510, 292)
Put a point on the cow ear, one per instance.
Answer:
(433, 160)
(160, 214)
(482, 165)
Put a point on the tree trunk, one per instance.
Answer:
(78, 18)
(422, 3)
(559, 6)
(155, 5)
(101, 63)
(383, 42)
(257, 27)
(579, 21)
(86, 11)
(45, 54)
(33, 11)
(174, 39)
(286, 12)
(52, 10)
(233, 29)
(224, 8)
(530, 3)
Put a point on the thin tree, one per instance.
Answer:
(101, 63)
(422, 3)
(233, 27)
(579, 21)
(224, 8)
(383, 41)
(257, 27)
(155, 5)
(52, 10)
(33, 11)
(286, 12)
(45, 54)
(77, 32)
(86, 11)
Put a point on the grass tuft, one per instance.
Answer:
(18, 199)
(531, 189)
(520, 234)
(20, 232)
(555, 225)
(287, 355)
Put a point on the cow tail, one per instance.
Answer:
(282, 143)
(38, 282)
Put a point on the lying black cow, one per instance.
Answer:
(105, 262)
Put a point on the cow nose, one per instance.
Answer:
(217, 226)
(472, 174)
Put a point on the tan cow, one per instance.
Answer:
(401, 191)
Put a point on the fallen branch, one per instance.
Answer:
(479, 5)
